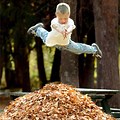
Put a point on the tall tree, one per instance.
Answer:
(21, 51)
(40, 62)
(69, 61)
(55, 74)
(86, 34)
(1, 48)
(1, 45)
(106, 27)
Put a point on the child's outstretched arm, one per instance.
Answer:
(56, 28)
(70, 29)
(63, 32)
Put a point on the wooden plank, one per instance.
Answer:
(18, 93)
(115, 109)
(97, 91)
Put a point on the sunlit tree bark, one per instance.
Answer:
(85, 31)
(69, 61)
(106, 29)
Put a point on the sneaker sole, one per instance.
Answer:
(31, 30)
(98, 49)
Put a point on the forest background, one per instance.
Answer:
(27, 64)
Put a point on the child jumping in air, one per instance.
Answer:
(60, 35)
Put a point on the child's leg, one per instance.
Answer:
(79, 48)
(38, 31)
(42, 33)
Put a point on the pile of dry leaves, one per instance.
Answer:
(54, 102)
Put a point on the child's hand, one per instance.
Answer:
(65, 33)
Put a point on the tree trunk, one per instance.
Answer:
(1, 65)
(55, 76)
(86, 35)
(21, 57)
(22, 69)
(40, 63)
(1, 54)
(106, 27)
(25, 70)
(5, 52)
(69, 61)
(9, 73)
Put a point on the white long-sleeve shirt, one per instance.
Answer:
(56, 38)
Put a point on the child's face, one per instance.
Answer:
(62, 18)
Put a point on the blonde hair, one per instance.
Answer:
(63, 8)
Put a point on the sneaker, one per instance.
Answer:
(98, 53)
(32, 30)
